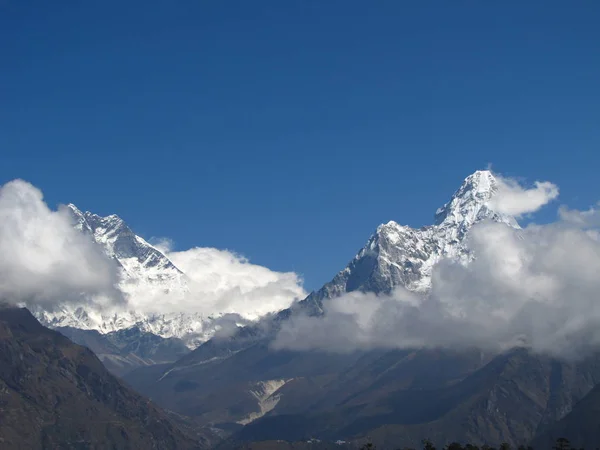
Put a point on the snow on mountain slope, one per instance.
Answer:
(140, 260)
(193, 328)
(153, 284)
(398, 255)
(395, 255)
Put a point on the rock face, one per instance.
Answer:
(56, 394)
(141, 261)
(581, 426)
(241, 386)
(395, 397)
(145, 273)
(397, 255)
(124, 350)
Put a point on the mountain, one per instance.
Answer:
(141, 262)
(242, 385)
(581, 426)
(56, 394)
(393, 397)
(124, 350)
(397, 255)
(510, 399)
(146, 274)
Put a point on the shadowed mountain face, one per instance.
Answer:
(393, 396)
(581, 426)
(242, 385)
(124, 350)
(56, 394)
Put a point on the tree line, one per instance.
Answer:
(560, 444)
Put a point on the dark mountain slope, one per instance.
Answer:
(410, 394)
(57, 395)
(125, 350)
(507, 400)
(581, 426)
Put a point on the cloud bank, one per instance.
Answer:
(584, 219)
(537, 287)
(43, 260)
(221, 281)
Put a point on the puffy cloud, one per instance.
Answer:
(224, 282)
(215, 282)
(43, 259)
(536, 287)
(45, 262)
(585, 219)
(164, 244)
(513, 199)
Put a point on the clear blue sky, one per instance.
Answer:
(288, 130)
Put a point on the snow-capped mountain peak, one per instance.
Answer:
(145, 272)
(395, 255)
(398, 255)
(471, 204)
(155, 288)
(137, 257)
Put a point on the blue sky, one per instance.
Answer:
(287, 131)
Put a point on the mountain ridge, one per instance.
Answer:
(398, 255)
(244, 387)
(145, 271)
(56, 394)
(463, 395)
(395, 255)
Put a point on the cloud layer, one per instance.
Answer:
(221, 281)
(43, 260)
(584, 219)
(537, 287)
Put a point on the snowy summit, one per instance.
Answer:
(395, 255)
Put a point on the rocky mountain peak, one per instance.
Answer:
(119, 241)
(395, 255)
(398, 255)
(98, 225)
(470, 204)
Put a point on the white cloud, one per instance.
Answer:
(513, 199)
(538, 287)
(43, 260)
(589, 218)
(163, 244)
(214, 282)
(225, 282)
